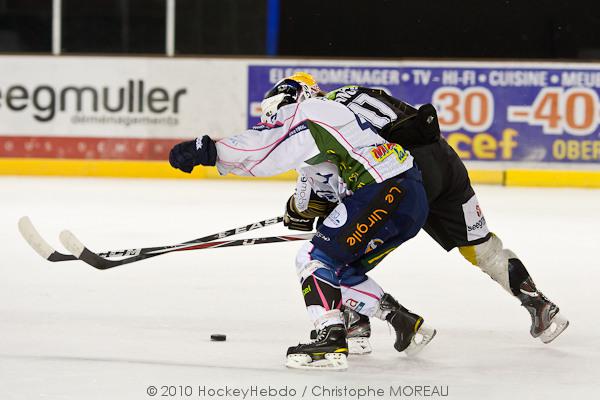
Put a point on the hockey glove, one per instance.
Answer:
(293, 219)
(186, 155)
(418, 129)
(428, 124)
(304, 220)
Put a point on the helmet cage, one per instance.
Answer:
(286, 91)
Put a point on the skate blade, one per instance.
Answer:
(331, 362)
(424, 335)
(557, 326)
(359, 346)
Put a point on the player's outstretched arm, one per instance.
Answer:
(186, 155)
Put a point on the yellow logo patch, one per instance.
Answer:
(383, 151)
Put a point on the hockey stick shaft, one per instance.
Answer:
(248, 242)
(74, 245)
(37, 242)
(214, 236)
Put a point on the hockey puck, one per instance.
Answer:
(218, 337)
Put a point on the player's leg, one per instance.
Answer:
(322, 297)
(456, 220)
(504, 267)
(363, 295)
(362, 298)
(371, 212)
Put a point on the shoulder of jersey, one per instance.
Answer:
(321, 103)
(333, 94)
(321, 109)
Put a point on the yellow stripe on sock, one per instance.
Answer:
(468, 252)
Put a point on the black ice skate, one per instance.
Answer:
(358, 332)
(546, 321)
(358, 328)
(412, 335)
(327, 351)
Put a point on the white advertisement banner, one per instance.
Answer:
(121, 97)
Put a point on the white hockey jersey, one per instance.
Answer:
(334, 152)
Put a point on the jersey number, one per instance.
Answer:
(377, 114)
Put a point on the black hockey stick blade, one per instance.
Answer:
(73, 244)
(37, 242)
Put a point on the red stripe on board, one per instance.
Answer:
(86, 147)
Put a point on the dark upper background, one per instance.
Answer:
(516, 29)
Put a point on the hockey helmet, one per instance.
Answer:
(293, 89)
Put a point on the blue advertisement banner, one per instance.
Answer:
(547, 114)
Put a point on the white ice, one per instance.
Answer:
(68, 331)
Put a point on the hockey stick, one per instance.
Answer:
(74, 245)
(35, 240)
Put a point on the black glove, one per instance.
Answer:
(304, 220)
(428, 124)
(186, 155)
(294, 220)
(417, 129)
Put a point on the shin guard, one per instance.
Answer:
(322, 295)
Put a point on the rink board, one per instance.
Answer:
(162, 169)
(119, 116)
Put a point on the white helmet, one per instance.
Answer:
(290, 90)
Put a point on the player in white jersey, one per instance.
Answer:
(378, 191)
(455, 218)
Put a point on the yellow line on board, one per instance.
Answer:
(553, 178)
(489, 177)
(162, 169)
(111, 168)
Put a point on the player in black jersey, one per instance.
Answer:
(455, 217)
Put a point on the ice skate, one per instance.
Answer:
(358, 332)
(412, 335)
(358, 328)
(328, 351)
(546, 321)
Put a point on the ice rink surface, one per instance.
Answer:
(68, 331)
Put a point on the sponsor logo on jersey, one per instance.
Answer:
(475, 223)
(298, 129)
(355, 305)
(337, 217)
(363, 228)
(374, 219)
(306, 290)
(373, 245)
(302, 194)
(321, 236)
(385, 150)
